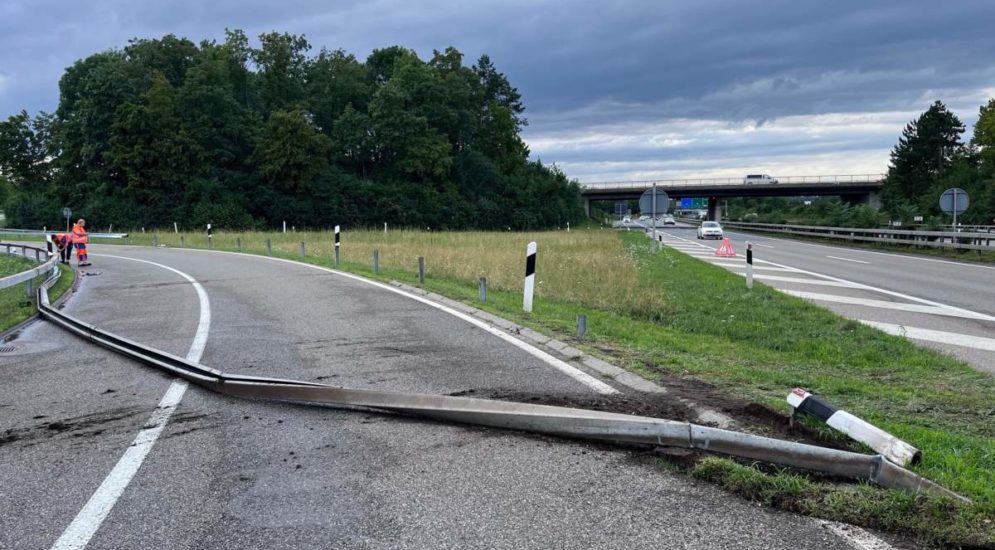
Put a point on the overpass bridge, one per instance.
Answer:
(860, 188)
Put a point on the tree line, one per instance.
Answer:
(166, 130)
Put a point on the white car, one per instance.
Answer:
(710, 230)
(643, 218)
(669, 220)
(759, 178)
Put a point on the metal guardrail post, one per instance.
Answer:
(27, 288)
(421, 269)
(238, 243)
(183, 242)
(376, 260)
(581, 326)
(482, 283)
(269, 247)
(302, 249)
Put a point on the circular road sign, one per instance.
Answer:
(954, 200)
(66, 212)
(646, 201)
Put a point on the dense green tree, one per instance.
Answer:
(226, 133)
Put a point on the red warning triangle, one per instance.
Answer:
(726, 250)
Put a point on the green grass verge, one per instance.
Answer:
(15, 306)
(759, 344)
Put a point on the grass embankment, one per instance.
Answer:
(15, 305)
(665, 314)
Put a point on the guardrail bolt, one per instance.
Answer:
(421, 269)
(581, 326)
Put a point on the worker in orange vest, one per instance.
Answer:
(64, 242)
(80, 239)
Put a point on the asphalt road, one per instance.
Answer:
(229, 473)
(943, 304)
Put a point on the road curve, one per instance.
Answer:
(243, 474)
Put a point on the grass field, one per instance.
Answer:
(15, 306)
(665, 314)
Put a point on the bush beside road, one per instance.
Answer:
(15, 306)
(671, 317)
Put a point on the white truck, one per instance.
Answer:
(759, 178)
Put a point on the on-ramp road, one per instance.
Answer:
(227, 473)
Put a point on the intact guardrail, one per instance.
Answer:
(42, 256)
(958, 240)
(836, 180)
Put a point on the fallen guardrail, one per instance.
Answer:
(958, 240)
(544, 419)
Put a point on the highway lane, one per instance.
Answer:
(243, 474)
(947, 305)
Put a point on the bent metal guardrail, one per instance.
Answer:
(42, 233)
(558, 421)
(49, 264)
(813, 180)
(960, 240)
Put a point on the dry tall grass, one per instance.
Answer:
(583, 266)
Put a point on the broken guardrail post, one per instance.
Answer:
(269, 247)
(376, 260)
(238, 243)
(183, 242)
(482, 283)
(889, 446)
(421, 269)
(581, 326)
(749, 265)
(302, 249)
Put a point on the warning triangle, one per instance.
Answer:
(726, 250)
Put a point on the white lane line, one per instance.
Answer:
(848, 260)
(882, 304)
(763, 245)
(798, 280)
(856, 537)
(88, 520)
(862, 286)
(929, 335)
(562, 366)
(755, 267)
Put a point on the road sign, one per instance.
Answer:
(697, 203)
(66, 212)
(954, 201)
(646, 202)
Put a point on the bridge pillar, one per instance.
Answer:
(713, 206)
(587, 206)
(873, 199)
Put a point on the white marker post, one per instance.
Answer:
(530, 276)
(384, 227)
(749, 265)
(176, 228)
(210, 237)
(337, 246)
(284, 226)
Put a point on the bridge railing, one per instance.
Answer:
(829, 179)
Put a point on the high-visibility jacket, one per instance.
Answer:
(79, 234)
(63, 239)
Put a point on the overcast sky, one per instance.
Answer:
(614, 90)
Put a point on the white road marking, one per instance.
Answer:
(929, 335)
(763, 245)
(882, 304)
(856, 537)
(88, 520)
(798, 280)
(756, 267)
(562, 366)
(848, 260)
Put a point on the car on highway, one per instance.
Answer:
(669, 220)
(710, 230)
(626, 219)
(759, 178)
(643, 218)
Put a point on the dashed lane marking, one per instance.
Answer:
(847, 260)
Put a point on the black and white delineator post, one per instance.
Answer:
(889, 446)
(210, 236)
(749, 265)
(530, 275)
(337, 246)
